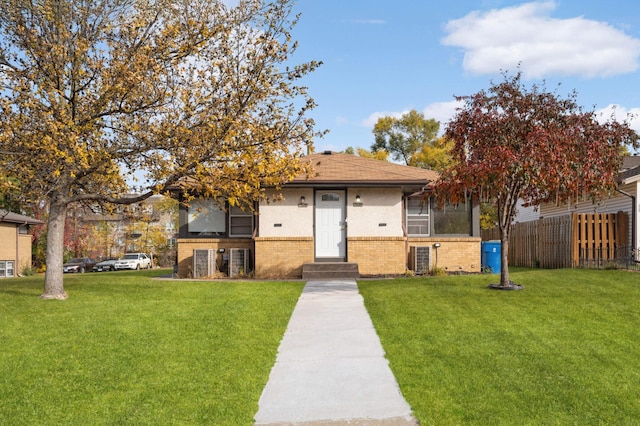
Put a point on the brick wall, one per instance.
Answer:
(454, 254)
(378, 255)
(13, 241)
(282, 257)
(382, 256)
(187, 245)
(24, 252)
(8, 238)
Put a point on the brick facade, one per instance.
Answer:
(460, 254)
(282, 257)
(16, 247)
(187, 245)
(8, 248)
(388, 256)
(378, 255)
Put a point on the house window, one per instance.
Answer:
(452, 219)
(417, 216)
(6, 268)
(240, 223)
(206, 217)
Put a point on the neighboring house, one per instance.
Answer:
(15, 250)
(140, 227)
(624, 200)
(526, 214)
(351, 209)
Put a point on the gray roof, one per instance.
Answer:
(11, 217)
(630, 162)
(630, 169)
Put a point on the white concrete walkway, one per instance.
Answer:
(331, 367)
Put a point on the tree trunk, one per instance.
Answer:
(53, 282)
(504, 258)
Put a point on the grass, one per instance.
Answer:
(128, 349)
(563, 351)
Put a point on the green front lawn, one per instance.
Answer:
(566, 350)
(128, 349)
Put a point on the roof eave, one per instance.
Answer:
(360, 184)
(20, 220)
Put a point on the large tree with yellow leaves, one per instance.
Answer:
(97, 92)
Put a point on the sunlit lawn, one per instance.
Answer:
(129, 349)
(566, 350)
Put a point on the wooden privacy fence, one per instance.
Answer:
(589, 240)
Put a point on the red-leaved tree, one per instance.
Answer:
(514, 143)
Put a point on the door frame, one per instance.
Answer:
(343, 207)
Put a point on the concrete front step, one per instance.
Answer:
(329, 271)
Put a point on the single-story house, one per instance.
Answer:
(15, 250)
(375, 214)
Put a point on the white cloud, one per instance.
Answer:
(500, 39)
(372, 119)
(620, 113)
(440, 111)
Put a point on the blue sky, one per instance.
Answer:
(383, 57)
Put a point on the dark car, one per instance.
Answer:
(79, 264)
(105, 265)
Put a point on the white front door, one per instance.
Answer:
(330, 225)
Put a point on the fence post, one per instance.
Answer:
(575, 247)
(622, 229)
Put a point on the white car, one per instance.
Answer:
(133, 261)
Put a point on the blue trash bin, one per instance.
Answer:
(490, 258)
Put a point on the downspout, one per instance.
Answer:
(405, 234)
(15, 265)
(633, 219)
(406, 246)
(17, 261)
